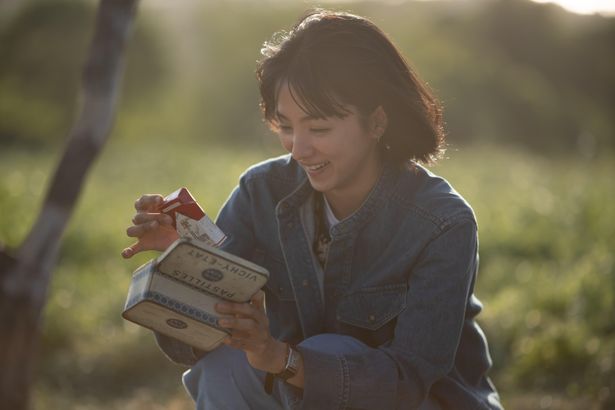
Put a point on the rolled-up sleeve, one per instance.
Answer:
(400, 373)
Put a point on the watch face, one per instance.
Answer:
(293, 360)
(291, 365)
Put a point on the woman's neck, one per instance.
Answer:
(344, 202)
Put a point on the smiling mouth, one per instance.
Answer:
(316, 167)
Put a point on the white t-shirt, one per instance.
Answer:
(331, 219)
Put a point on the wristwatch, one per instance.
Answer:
(292, 364)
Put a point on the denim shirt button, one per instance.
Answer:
(371, 318)
(290, 225)
(305, 283)
(281, 289)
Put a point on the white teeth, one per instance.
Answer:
(317, 167)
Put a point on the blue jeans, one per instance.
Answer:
(223, 379)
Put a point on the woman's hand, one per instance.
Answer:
(153, 230)
(250, 332)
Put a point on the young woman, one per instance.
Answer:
(372, 258)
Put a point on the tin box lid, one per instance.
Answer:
(186, 244)
(212, 270)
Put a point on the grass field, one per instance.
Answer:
(547, 276)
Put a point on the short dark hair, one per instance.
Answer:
(331, 59)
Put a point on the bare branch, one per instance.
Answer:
(24, 279)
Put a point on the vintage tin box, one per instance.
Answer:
(175, 294)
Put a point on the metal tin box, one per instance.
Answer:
(175, 294)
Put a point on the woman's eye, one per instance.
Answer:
(320, 130)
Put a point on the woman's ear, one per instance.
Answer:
(378, 122)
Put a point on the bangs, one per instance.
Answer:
(314, 85)
(313, 91)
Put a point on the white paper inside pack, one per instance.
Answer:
(203, 230)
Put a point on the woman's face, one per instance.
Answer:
(339, 155)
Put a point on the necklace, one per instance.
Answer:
(322, 239)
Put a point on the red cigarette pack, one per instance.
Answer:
(181, 201)
(189, 219)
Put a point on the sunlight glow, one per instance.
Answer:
(585, 6)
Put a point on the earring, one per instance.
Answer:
(379, 140)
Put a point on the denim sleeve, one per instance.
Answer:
(400, 373)
(235, 221)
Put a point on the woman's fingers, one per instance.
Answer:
(258, 300)
(154, 230)
(244, 326)
(144, 222)
(254, 339)
(137, 231)
(239, 309)
(248, 324)
(132, 250)
(249, 328)
(256, 306)
(149, 202)
(145, 217)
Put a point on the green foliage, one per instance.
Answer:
(42, 51)
(510, 71)
(547, 273)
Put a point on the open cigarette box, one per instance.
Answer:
(189, 219)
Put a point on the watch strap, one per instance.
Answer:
(290, 369)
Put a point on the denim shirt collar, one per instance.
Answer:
(297, 247)
(376, 198)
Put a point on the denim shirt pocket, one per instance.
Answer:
(371, 308)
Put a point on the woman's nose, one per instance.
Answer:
(301, 146)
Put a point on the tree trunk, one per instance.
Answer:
(25, 276)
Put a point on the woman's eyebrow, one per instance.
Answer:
(307, 117)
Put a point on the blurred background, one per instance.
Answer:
(529, 96)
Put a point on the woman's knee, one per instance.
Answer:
(212, 371)
(223, 379)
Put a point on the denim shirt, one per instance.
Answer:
(399, 277)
